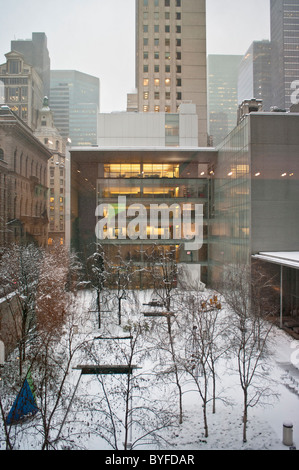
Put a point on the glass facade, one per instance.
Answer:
(222, 95)
(255, 74)
(74, 100)
(229, 231)
(160, 206)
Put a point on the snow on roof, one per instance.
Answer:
(283, 258)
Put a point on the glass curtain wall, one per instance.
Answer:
(229, 227)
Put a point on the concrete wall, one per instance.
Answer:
(146, 129)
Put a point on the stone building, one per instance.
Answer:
(23, 182)
(47, 133)
(23, 88)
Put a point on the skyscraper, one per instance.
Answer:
(74, 101)
(171, 57)
(255, 74)
(35, 52)
(285, 44)
(222, 95)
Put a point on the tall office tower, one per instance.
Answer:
(171, 57)
(285, 43)
(222, 95)
(255, 74)
(74, 101)
(22, 86)
(35, 52)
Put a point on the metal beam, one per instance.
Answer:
(106, 369)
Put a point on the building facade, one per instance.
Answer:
(285, 44)
(149, 129)
(255, 74)
(171, 57)
(23, 182)
(47, 133)
(74, 98)
(256, 191)
(23, 88)
(35, 52)
(144, 177)
(248, 188)
(222, 95)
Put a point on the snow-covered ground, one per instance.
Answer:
(265, 426)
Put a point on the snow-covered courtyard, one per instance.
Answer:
(265, 422)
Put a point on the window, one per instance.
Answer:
(145, 68)
(1, 154)
(167, 28)
(178, 55)
(24, 93)
(172, 129)
(167, 95)
(156, 42)
(145, 95)
(145, 55)
(145, 3)
(167, 3)
(178, 28)
(167, 15)
(179, 96)
(179, 82)
(145, 82)
(157, 68)
(167, 68)
(167, 55)
(145, 28)
(179, 69)
(178, 15)
(178, 3)
(156, 3)
(167, 81)
(14, 66)
(178, 42)
(157, 109)
(157, 82)
(13, 94)
(156, 55)
(157, 95)
(156, 28)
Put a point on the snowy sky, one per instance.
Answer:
(88, 35)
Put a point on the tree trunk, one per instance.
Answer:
(245, 417)
(175, 371)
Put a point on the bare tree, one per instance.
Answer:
(19, 277)
(163, 271)
(249, 333)
(130, 414)
(203, 329)
(98, 275)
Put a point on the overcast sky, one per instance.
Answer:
(98, 36)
